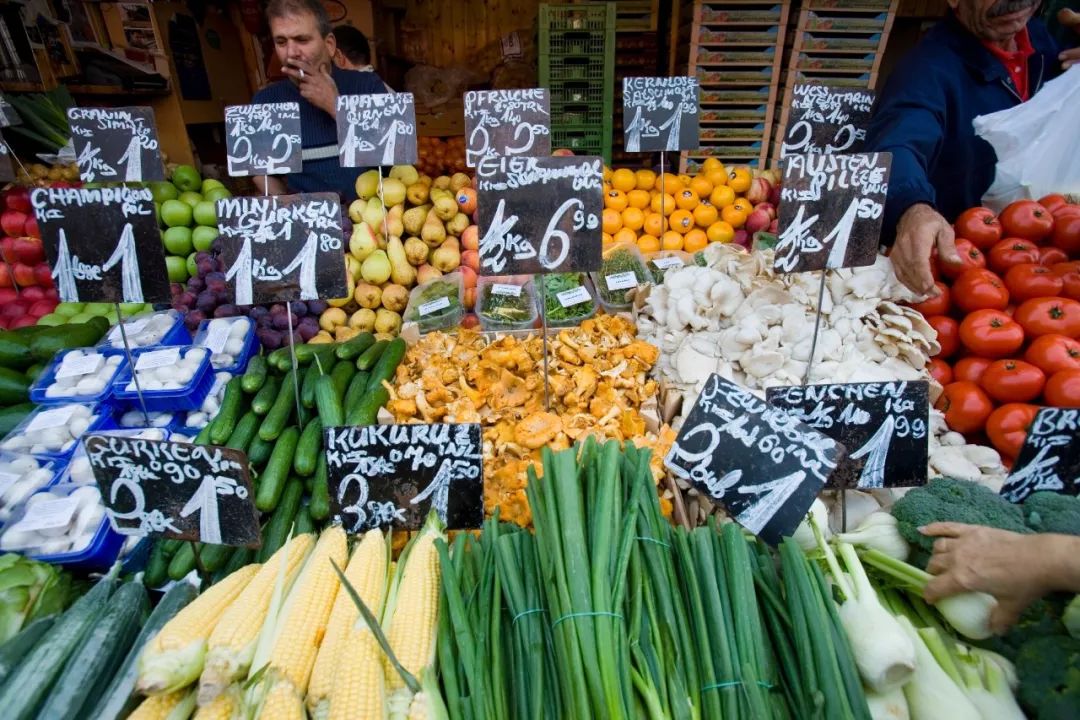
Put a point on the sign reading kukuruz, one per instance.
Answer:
(376, 129)
(539, 215)
(506, 122)
(761, 463)
(178, 490)
(393, 475)
(121, 260)
(1050, 457)
(116, 144)
(825, 119)
(831, 209)
(263, 139)
(282, 248)
(660, 113)
(884, 424)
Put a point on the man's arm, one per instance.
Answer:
(269, 184)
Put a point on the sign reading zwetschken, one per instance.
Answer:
(116, 144)
(825, 119)
(761, 463)
(263, 139)
(539, 215)
(1050, 457)
(506, 122)
(283, 248)
(383, 475)
(831, 210)
(376, 129)
(660, 114)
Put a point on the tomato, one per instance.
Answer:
(966, 406)
(970, 257)
(1030, 280)
(1051, 315)
(948, 336)
(1063, 389)
(980, 226)
(1012, 251)
(1013, 381)
(1051, 353)
(1064, 268)
(1007, 427)
(1053, 201)
(936, 305)
(1050, 256)
(991, 333)
(940, 370)
(979, 288)
(1026, 219)
(1071, 288)
(1066, 235)
(970, 368)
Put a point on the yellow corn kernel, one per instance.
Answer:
(282, 702)
(222, 707)
(359, 687)
(168, 706)
(412, 627)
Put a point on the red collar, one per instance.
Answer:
(1023, 48)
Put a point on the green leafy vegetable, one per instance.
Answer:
(29, 590)
(618, 261)
(562, 282)
(506, 309)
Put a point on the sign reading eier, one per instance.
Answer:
(660, 113)
(761, 463)
(506, 122)
(823, 119)
(178, 490)
(120, 258)
(263, 139)
(116, 144)
(539, 215)
(1050, 457)
(281, 248)
(376, 129)
(393, 475)
(831, 209)
(884, 424)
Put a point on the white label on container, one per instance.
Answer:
(569, 298)
(49, 515)
(51, 418)
(74, 365)
(158, 358)
(434, 306)
(508, 290)
(217, 334)
(668, 263)
(7, 480)
(621, 281)
(131, 327)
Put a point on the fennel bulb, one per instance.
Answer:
(804, 533)
(891, 705)
(879, 531)
(931, 693)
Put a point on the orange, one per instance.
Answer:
(633, 218)
(638, 199)
(625, 235)
(695, 240)
(733, 216)
(616, 200)
(687, 199)
(701, 186)
(624, 179)
(648, 243)
(739, 179)
(612, 221)
(743, 205)
(606, 238)
(717, 177)
(606, 174)
(672, 241)
(706, 214)
(646, 179)
(654, 224)
(685, 179)
(671, 183)
(720, 231)
(682, 221)
(668, 203)
(722, 196)
(711, 164)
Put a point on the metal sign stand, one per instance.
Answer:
(131, 362)
(292, 341)
(544, 325)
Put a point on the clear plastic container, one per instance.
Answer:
(231, 342)
(20, 477)
(160, 328)
(52, 432)
(78, 471)
(172, 378)
(569, 297)
(506, 302)
(131, 417)
(437, 305)
(662, 261)
(195, 420)
(80, 375)
(622, 270)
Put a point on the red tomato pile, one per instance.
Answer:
(1008, 319)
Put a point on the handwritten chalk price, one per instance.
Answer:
(660, 113)
(263, 139)
(376, 129)
(506, 122)
(823, 119)
(1050, 457)
(116, 144)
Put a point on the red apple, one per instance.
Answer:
(31, 228)
(29, 250)
(759, 190)
(5, 322)
(18, 198)
(8, 294)
(757, 220)
(43, 275)
(767, 207)
(24, 321)
(52, 294)
(7, 250)
(5, 276)
(774, 195)
(741, 238)
(41, 307)
(562, 152)
(32, 294)
(13, 222)
(24, 274)
(774, 227)
(13, 309)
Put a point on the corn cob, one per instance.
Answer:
(231, 646)
(281, 702)
(367, 573)
(223, 707)
(168, 706)
(359, 689)
(174, 658)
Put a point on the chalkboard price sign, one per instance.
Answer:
(506, 122)
(883, 424)
(376, 129)
(1050, 457)
(263, 139)
(178, 490)
(8, 115)
(7, 170)
(283, 248)
(393, 475)
(539, 215)
(831, 209)
(116, 144)
(823, 119)
(761, 463)
(120, 259)
(660, 113)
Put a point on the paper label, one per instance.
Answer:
(131, 327)
(508, 290)
(667, 263)
(158, 358)
(621, 281)
(51, 418)
(434, 306)
(7, 480)
(49, 515)
(569, 298)
(74, 365)
(217, 334)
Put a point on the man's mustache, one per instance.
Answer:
(1006, 7)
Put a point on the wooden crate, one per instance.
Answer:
(636, 15)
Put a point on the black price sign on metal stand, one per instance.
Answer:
(393, 475)
(884, 424)
(506, 122)
(8, 115)
(539, 215)
(282, 248)
(376, 130)
(103, 244)
(263, 139)
(177, 490)
(7, 170)
(116, 144)
(762, 464)
(1050, 457)
(660, 113)
(824, 119)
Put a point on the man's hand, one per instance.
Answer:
(316, 84)
(919, 231)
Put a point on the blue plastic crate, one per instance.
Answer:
(250, 344)
(20, 477)
(48, 377)
(25, 441)
(176, 334)
(78, 470)
(188, 397)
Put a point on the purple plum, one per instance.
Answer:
(317, 307)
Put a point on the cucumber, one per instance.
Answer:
(387, 365)
(357, 387)
(245, 430)
(280, 359)
(11, 416)
(214, 557)
(307, 388)
(15, 351)
(34, 371)
(15, 649)
(272, 481)
(306, 353)
(157, 567)
(183, 562)
(255, 375)
(308, 448)
(319, 503)
(328, 402)
(284, 405)
(225, 422)
(240, 557)
(118, 699)
(14, 387)
(303, 522)
(277, 530)
(264, 399)
(100, 654)
(203, 437)
(258, 451)
(342, 375)
(368, 358)
(352, 349)
(367, 409)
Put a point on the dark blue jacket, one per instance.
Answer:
(924, 114)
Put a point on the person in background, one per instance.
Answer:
(985, 56)
(305, 45)
(354, 51)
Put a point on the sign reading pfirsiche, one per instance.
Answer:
(116, 144)
(1050, 457)
(393, 475)
(376, 130)
(282, 248)
(831, 209)
(884, 424)
(660, 114)
(103, 244)
(764, 466)
(824, 119)
(507, 122)
(178, 490)
(263, 139)
(539, 215)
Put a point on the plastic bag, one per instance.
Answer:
(1035, 144)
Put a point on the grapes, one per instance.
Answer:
(317, 307)
(206, 301)
(225, 310)
(298, 308)
(196, 284)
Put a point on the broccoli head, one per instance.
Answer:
(1049, 673)
(1051, 512)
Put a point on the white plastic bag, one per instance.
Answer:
(1036, 143)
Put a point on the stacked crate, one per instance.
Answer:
(577, 64)
(636, 55)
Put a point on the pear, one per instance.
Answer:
(350, 285)
(393, 192)
(417, 193)
(442, 182)
(447, 257)
(401, 272)
(394, 226)
(405, 173)
(367, 295)
(356, 210)
(413, 219)
(426, 273)
(376, 268)
(433, 232)
(367, 185)
(352, 266)
(362, 242)
(458, 181)
(457, 224)
(374, 213)
(417, 251)
(445, 206)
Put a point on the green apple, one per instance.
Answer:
(178, 241)
(52, 319)
(206, 214)
(187, 178)
(218, 193)
(203, 236)
(112, 317)
(164, 190)
(98, 308)
(191, 198)
(192, 266)
(176, 213)
(81, 318)
(177, 267)
(129, 309)
(209, 184)
(67, 309)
